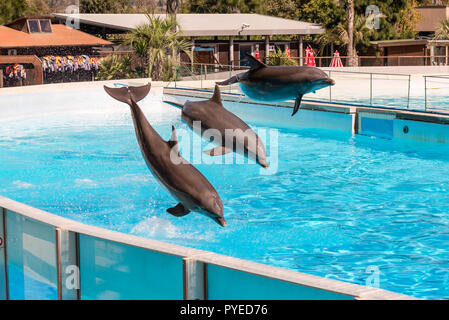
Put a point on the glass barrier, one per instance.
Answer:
(32, 273)
(246, 286)
(111, 270)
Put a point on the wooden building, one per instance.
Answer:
(27, 40)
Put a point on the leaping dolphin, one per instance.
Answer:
(235, 134)
(175, 174)
(279, 83)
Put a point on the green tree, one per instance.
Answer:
(37, 7)
(158, 43)
(11, 10)
(282, 8)
(328, 13)
(105, 6)
(224, 6)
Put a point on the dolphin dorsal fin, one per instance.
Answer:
(173, 142)
(254, 63)
(217, 95)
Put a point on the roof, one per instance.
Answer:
(61, 36)
(206, 24)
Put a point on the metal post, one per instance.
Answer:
(201, 75)
(194, 280)
(371, 89)
(67, 265)
(408, 96)
(425, 93)
(301, 51)
(4, 290)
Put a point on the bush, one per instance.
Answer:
(116, 67)
(280, 58)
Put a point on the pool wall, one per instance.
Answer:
(381, 122)
(44, 256)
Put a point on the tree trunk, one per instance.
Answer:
(351, 49)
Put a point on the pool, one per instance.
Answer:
(339, 205)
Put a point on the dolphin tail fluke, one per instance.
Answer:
(297, 105)
(231, 80)
(129, 94)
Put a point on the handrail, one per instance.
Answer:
(445, 77)
(371, 75)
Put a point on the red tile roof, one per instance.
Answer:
(61, 36)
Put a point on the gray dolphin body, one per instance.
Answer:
(175, 174)
(235, 134)
(279, 83)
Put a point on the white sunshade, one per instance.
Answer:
(195, 25)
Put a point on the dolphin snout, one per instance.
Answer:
(330, 81)
(221, 221)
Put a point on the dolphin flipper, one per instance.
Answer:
(231, 80)
(175, 104)
(178, 211)
(297, 104)
(129, 94)
(217, 151)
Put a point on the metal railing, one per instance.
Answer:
(440, 85)
(207, 74)
(371, 77)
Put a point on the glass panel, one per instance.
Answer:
(31, 259)
(111, 270)
(224, 284)
(45, 25)
(33, 26)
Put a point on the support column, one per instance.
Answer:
(301, 51)
(432, 54)
(231, 51)
(447, 55)
(267, 47)
(195, 283)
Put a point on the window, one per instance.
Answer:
(45, 25)
(37, 26)
(33, 26)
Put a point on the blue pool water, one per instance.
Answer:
(339, 205)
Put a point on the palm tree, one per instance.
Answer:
(350, 44)
(340, 36)
(158, 43)
(442, 32)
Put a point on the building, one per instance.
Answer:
(27, 41)
(431, 16)
(219, 39)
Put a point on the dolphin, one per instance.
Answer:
(236, 135)
(279, 83)
(175, 174)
